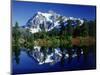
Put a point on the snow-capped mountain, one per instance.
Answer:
(42, 21)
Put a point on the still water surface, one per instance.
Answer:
(41, 59)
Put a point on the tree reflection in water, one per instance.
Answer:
(52, 55)
(16, 52)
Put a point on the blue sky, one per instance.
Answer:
(22, 11)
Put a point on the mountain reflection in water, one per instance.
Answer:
(44, 59)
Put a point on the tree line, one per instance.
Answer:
(23, 37)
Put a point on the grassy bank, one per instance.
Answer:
(79, 41)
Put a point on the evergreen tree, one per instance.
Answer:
(85, 28)
(76, 30)
(69, 28)
(92, 28)
(16, 34)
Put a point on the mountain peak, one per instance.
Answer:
(46, 21)
(39, 12)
